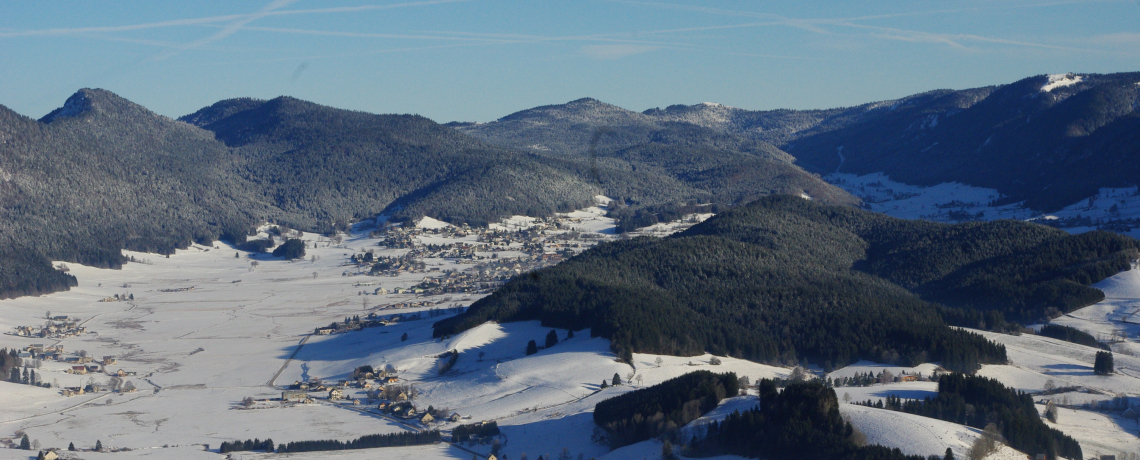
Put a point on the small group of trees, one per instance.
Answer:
(662, 409)
(462, 433)
(1103, 364)
(551, 340)
(451, 358)
(1071, 334)
(247, 445)
(292, 248)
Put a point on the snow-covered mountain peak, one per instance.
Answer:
(1061, 80)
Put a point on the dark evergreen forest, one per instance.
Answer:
(660, 410)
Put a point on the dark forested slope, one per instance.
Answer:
(1049, 145)
(320, 165)
(654, 164)
(101, 174)
(785, 279)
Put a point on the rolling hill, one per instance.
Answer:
(101, 174)
(783, 280)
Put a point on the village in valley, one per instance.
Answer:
(215, 351)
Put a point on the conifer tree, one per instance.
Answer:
(25, 443)
(551, 339)
(531, 348)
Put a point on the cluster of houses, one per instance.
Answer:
(118, 298)
(81, 363)
(57, 327)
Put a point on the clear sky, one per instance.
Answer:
(478, 60)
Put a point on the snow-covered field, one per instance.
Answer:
(955, 202)
(206, 329)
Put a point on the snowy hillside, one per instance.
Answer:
(1115, 209)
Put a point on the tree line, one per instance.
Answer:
(404, 438)
(979, 401)
(802, 421)
(660, 410)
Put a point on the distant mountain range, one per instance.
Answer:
(1048, 140)
(101, 173)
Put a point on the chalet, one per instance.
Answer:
(403, 396)
(383, 405)
(24, 355)
(909, 378)
(36, 348)
(59, 318)
(294, 395)
(77, 370)
(427, 418)
(492, 457)
(85, 359)
(391, 379)
(108, 360)
(92, 368)
(49, 455)
(355, 402)
(342, 383)
(454, 417)
(324, 330)
(335, 393)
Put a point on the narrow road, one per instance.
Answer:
(287, 361)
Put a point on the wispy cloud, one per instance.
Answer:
(615, 51)
(226, 31)
(825, 25)
(215, 19)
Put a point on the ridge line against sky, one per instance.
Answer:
(480, 60)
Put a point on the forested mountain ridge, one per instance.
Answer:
(1050, 140)
(784, 279)
(101, 173)
(321, 165)
(657, 167)
(1047, 140)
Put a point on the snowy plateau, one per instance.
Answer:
(204, 330)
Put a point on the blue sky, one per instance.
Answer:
(475, 60)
